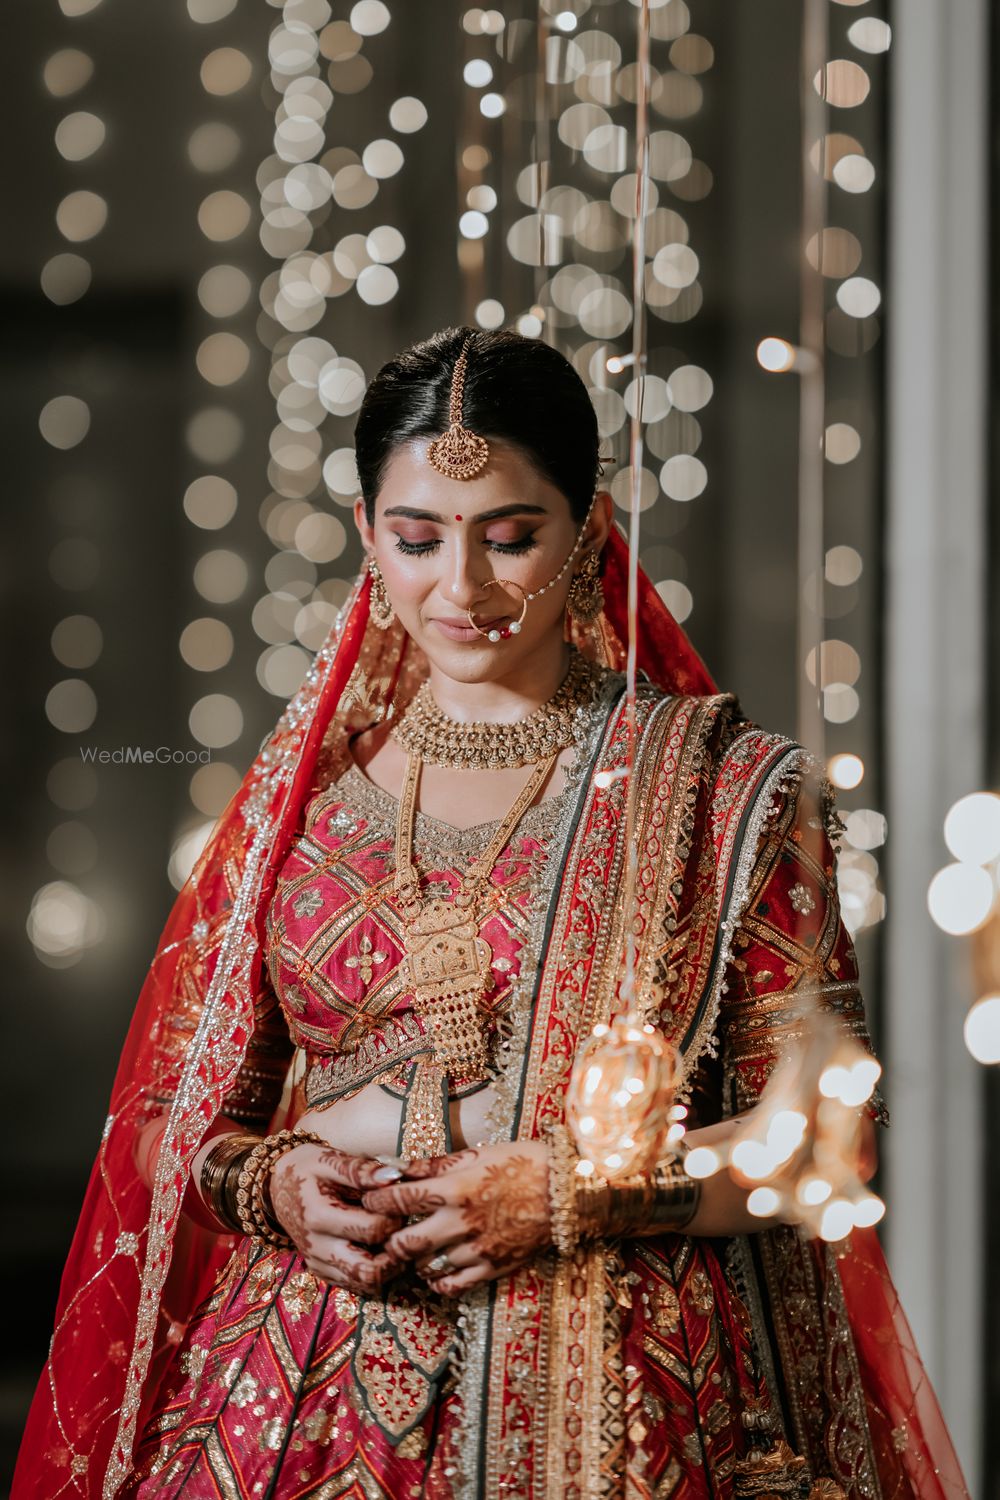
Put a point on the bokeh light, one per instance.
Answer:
(972, 828)
(210, 501)
(775, 355)
(81, 215)
(79, 135)
(185, 851)
(960, 898)
(216, 720)
(71, 705)
(206, 644)
(64, 421)
(846, 771)
(77, 641)
(407, 115)
(225, 71)
(67, 71)
(63, 923)
(65, 278)
(982, 1029)
(221, 576)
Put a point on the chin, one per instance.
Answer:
(475, 661)
(471, 663)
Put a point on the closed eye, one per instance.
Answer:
(421, 549)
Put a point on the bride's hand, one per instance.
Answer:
(484, 1213)
(316, 1196)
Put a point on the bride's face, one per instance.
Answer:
(439, 543)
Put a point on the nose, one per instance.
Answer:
(467, 576)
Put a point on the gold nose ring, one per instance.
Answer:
(514, 628)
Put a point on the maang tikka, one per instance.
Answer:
(460, 454)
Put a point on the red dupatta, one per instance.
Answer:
(138, 1266)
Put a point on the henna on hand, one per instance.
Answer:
(289, 1206)
(434, 1166)
(332, 1192)
(414, 1244)
(495, 1203)
(356, 1172)
(404, 1198)
(365, 1228)
(508, 1219)
(363, 1274)
(374, 1229)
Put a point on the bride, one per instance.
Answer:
(334, 1244)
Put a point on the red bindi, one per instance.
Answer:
(458, 518)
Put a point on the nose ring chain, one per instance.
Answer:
(514, 628)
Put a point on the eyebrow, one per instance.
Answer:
(411, 514)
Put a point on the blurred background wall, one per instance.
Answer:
(223, 217)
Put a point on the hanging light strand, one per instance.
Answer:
(635, 461)
(812, 384)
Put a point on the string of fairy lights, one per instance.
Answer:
(64, 921)
(307, 184)
(215, 428)
(833, 667)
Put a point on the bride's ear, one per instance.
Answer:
(601, 518)
(365, 530)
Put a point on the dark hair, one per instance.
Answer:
(517, 390)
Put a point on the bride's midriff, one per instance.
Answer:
(368, 1124)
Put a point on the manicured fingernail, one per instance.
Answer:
(387, 1174)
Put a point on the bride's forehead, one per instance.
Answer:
(411, 479)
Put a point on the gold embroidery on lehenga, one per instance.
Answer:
(366, 960)
(848, 1439)
(405, 1340)
(299, 1293)
(700, 1292)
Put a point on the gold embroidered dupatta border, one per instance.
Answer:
(542, 1358)
(216, 1050)
(252, 836)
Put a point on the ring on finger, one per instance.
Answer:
(440, 1266)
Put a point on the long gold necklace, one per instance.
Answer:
(426, 730)
(447, 963)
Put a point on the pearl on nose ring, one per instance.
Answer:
(514, 628)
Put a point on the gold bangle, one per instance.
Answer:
(219, 1171)
(666, 1199)
(592, 1202)
(562, 1190)
(676, 1197)
(254, 1173)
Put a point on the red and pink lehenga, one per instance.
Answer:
(189, 1364)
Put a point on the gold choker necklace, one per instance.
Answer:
(426, 730)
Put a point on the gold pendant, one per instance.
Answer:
(447, 966)
(425, 1126)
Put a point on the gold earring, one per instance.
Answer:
(586, 596)
(379, 603)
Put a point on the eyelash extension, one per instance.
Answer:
(421, 549)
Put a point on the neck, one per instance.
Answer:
(504, 699)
